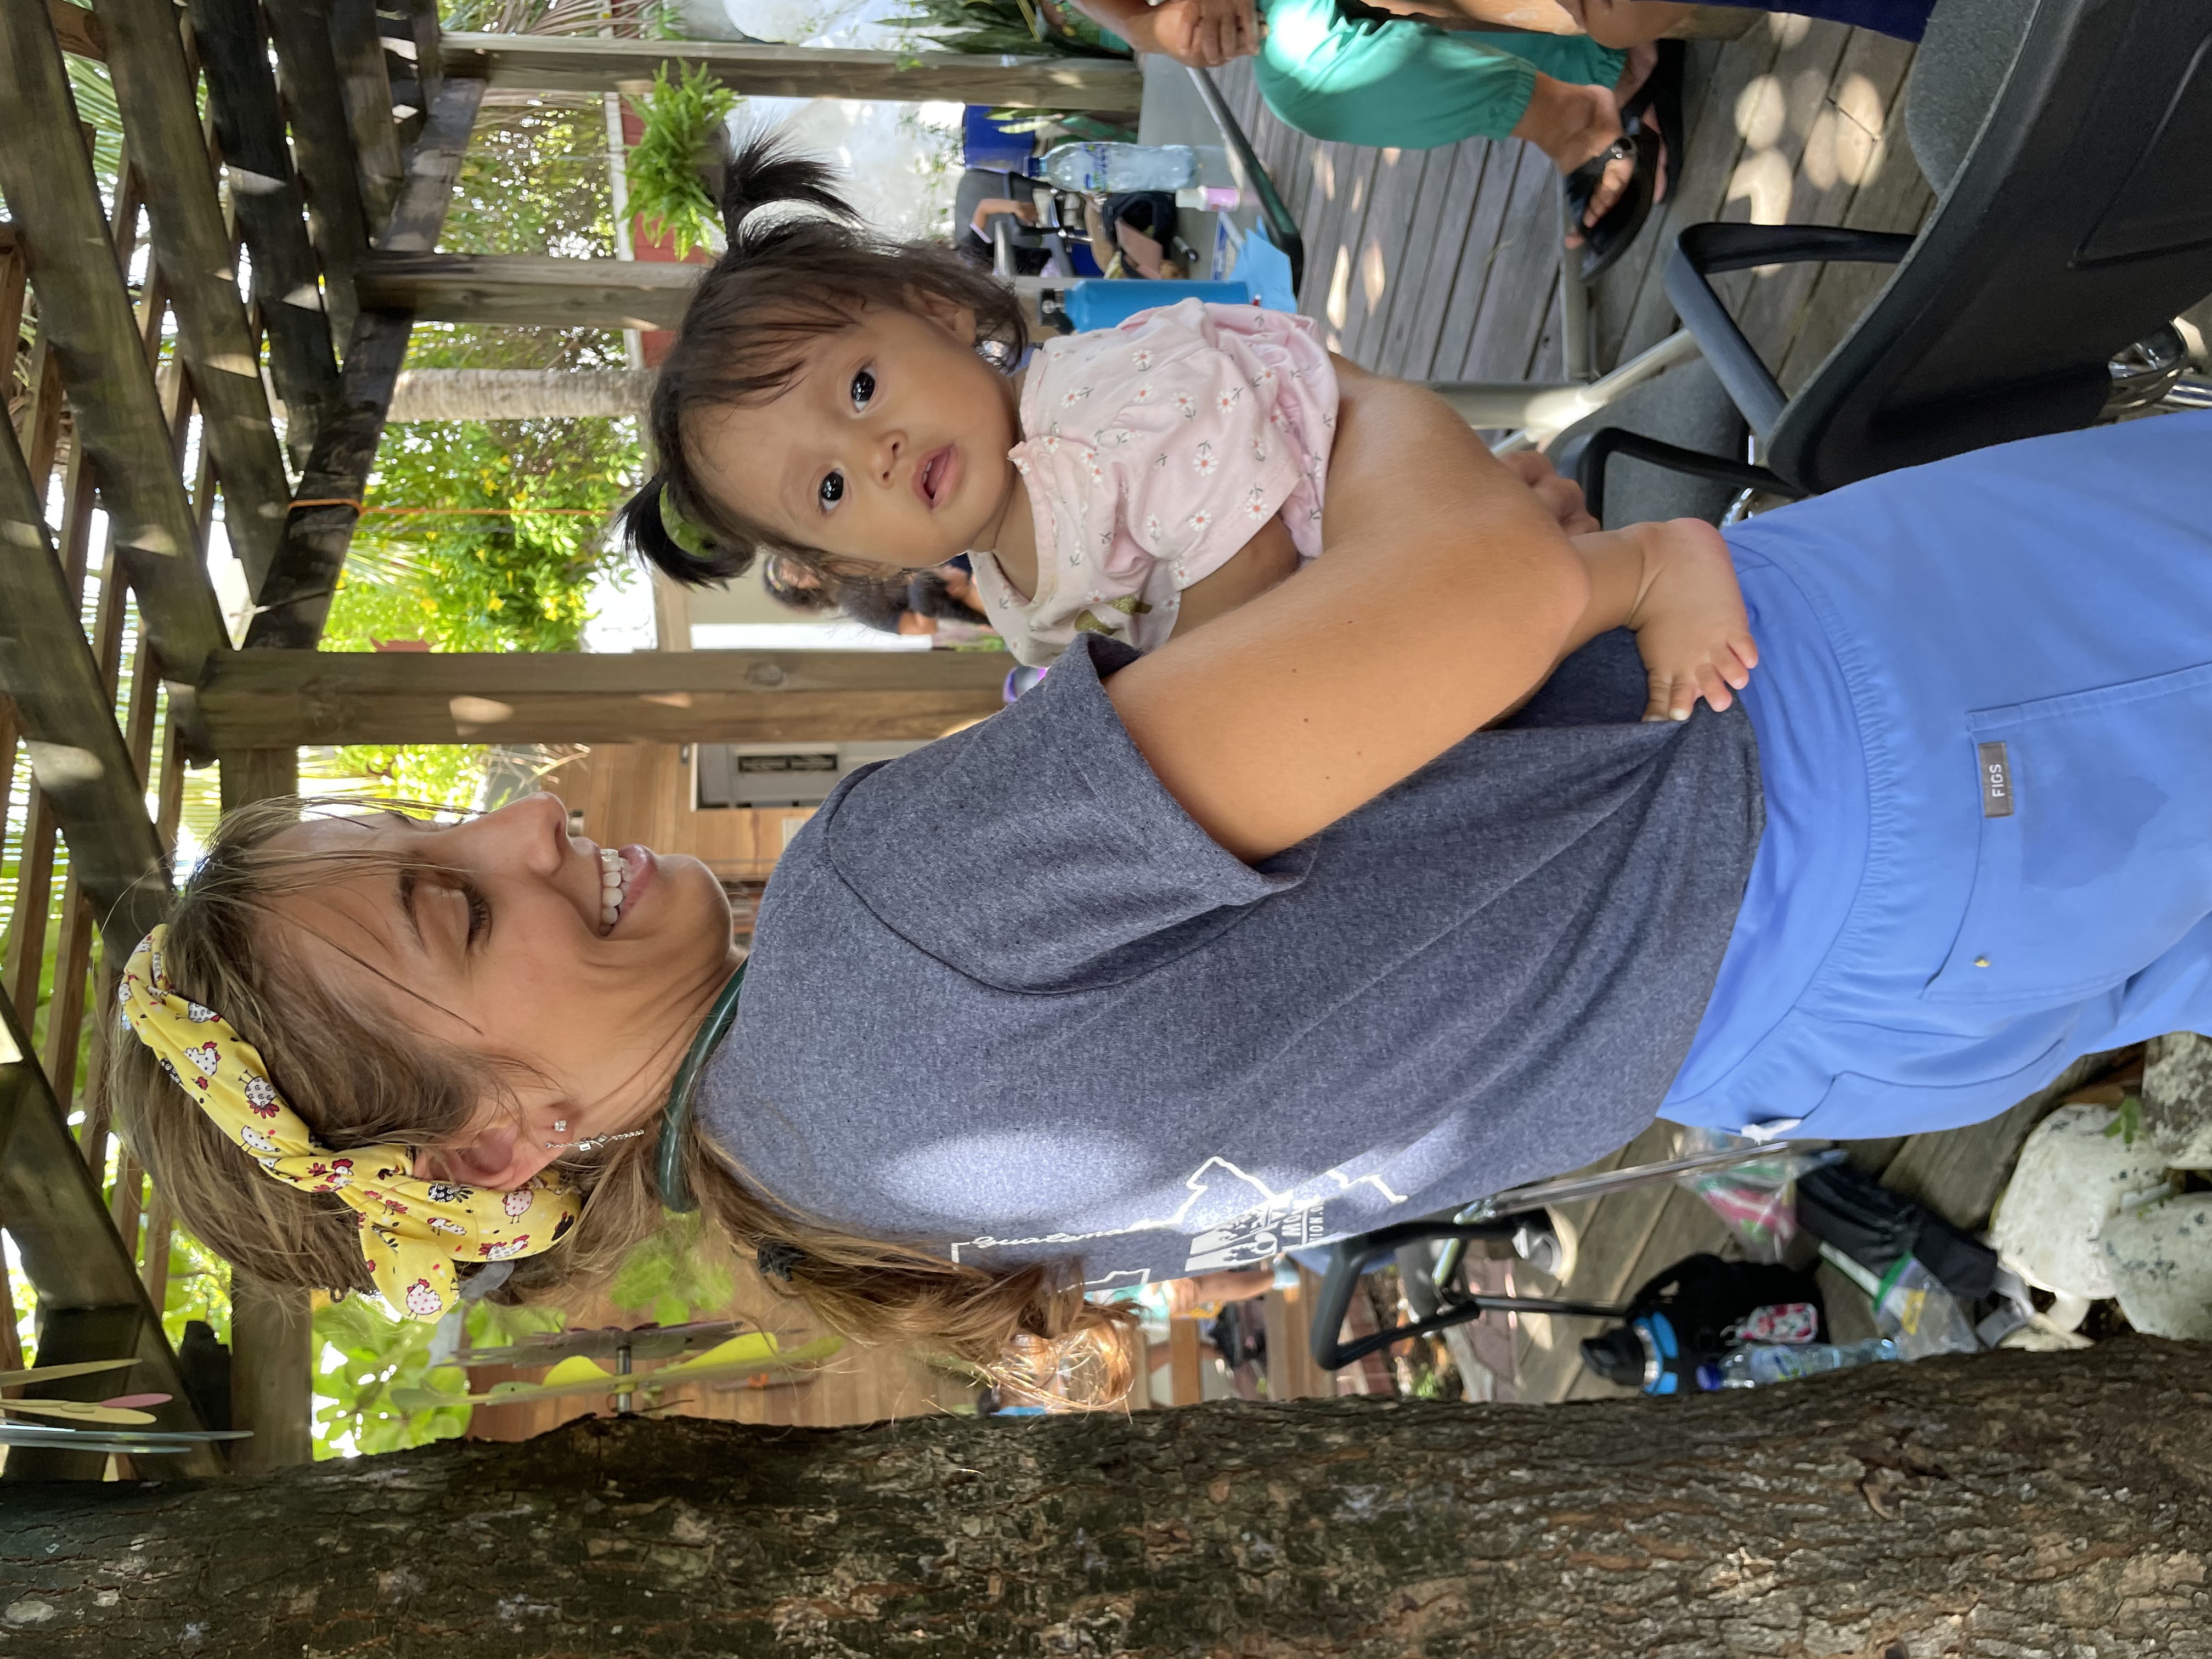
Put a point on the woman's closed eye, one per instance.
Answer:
(479, 914)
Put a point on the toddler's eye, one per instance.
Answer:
(832, 490)
(864, 389)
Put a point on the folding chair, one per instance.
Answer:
(2066, 140)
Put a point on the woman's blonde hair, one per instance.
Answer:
(358, 1080)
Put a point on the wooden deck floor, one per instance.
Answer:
(1444, 265)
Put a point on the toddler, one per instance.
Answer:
(855, 407)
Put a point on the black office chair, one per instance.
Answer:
(2066, 140)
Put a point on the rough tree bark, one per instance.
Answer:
(517, 394)
(2010, 1505)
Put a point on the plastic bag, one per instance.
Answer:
(1916, 1312)
(1758, 1199)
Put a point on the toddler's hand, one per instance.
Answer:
(1691, 628)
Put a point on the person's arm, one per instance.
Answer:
(1025, 211)
(1206, 33)
(1446, 593)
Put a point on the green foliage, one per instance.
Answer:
(95, 105)
(1024, 27)
(367, 1354)
(674, 1275)
(534, 181)
(665, 192)
(2127, 1121)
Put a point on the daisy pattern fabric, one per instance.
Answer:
(412, 1230)
(1151, 454)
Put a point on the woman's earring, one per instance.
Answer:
(560, 1125)
(592, 1144)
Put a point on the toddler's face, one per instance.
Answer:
(889, 448)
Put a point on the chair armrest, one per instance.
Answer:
(1703, 251)
(1585, 458)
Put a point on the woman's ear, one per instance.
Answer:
(499, 1158)
(949, 314)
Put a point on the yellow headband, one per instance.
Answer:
(412, 1230)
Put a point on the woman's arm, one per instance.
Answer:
(1206, 33)
(1446, 593)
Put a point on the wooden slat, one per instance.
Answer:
(295, 599)
(546, 62)
(78, 30)
(85, 316)
(1633, 312)
(92, 1305)
(77, 755)
(1186, 1379)
(364, 87)
(1435, 245)
(1380, 257)
(249, 123)
(322, 148)
(154, 86)
(1523, 277)
(1477, 261)
(269, 699)
(526, 290)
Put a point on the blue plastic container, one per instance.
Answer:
(1102, 304)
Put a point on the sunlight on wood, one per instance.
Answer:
(1762, 177)
(1859, 118)
(1339, 292)
(1760, 112)
(1371, 276)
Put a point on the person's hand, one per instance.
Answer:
(1204, 33)
(1691, 628)
(1561, 497)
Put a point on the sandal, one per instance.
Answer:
(1660, 98)
(1604, 242)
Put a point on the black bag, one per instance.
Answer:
(1687, 1316)
(1877, 1229)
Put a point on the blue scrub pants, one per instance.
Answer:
(1985, 717)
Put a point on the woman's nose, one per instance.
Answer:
(531, 833)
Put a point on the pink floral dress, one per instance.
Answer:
(1152, 453)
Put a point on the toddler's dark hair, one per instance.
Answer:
(788, 278)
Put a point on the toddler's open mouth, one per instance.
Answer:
(933, 478)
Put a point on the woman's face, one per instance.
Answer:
(493, 936)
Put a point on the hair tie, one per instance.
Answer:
(411, 1230)
(776, 1259)
(680, 529)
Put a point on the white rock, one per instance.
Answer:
(2160, 1258)
(2071, 1177)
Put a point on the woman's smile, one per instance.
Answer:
(625, 873)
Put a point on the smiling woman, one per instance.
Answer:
(510, 1002)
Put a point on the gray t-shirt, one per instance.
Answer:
(1007, 1000)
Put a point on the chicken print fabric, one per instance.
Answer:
(412, 1230)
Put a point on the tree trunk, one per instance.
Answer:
(517, 394)
(2008, 1504)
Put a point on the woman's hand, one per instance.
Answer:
(1446, 593)
(1561, 497)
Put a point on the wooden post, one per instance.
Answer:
(271, 1331)
(269, 699)
(548, 63)
(272, 1374)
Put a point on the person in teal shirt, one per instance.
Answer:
(1349, 73)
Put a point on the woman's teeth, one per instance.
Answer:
(614, 880)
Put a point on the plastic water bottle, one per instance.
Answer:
(1759, 1364)
(1100, 169)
